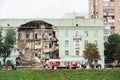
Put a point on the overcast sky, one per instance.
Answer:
(42, 8)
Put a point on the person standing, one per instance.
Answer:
(6, 67)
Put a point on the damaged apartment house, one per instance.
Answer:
(36, 39)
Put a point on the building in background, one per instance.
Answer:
(109, 11)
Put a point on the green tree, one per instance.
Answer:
(116, 55)
(91, 52)
(7, 43)
(1, 43)
(111, 47)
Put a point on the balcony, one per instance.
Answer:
(111, 20)
(111, 14)
(77, 46)
(77, 37)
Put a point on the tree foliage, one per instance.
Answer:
(116, 55)
(1, 43)
(10, 39)
(7, 43)
(112, 48)
(91, 52)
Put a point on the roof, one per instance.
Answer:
(54, 22)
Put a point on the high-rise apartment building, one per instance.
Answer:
(109, 11)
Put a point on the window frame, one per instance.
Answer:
(66, 52)
(66, 42)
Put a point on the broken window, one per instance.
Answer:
(28, 35)
(50, 45)
(35, 35)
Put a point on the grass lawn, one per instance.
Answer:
(60, 75)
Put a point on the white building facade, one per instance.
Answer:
(74, 39)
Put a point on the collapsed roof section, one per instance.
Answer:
(35, 25)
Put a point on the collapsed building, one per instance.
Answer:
(36, 41)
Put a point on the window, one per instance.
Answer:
(50, 45)
(119, 19)
(66, 33)
(108, 3)
(86, 33)
(77, 33)
(118, 23)
(86, 42)
(35, 35)
(57, 33)
(46, 55)
(45, 35)
(95, 34)
(109, 18)
(77, 43)
(119, 3)
(109, 11)
(66, 52)
(46, 44)
(96, 42)
(77, 53)
(27, 46)
(112, 3)
(110, 24)
(28, 35)
(66, 43)
(119, 11)
(50, 34)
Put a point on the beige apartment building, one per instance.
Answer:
(109, 11)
